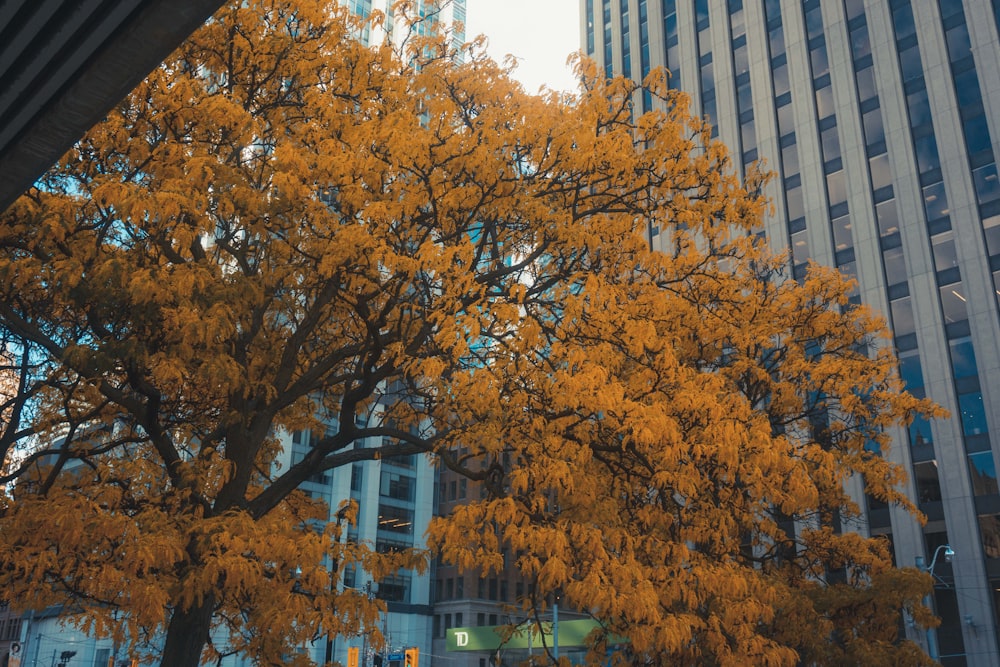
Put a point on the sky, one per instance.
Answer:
(540, 33)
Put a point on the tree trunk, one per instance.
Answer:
(187, 634)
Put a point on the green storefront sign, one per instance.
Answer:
(492, 637)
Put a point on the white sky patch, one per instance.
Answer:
(541, 34)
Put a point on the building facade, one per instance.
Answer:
(880, 120)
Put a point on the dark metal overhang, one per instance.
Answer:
(65, 63)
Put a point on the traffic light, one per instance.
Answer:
(353, 654)
(412, 656)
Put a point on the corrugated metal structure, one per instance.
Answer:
(65, 63)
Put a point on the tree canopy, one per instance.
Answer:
(285, 230)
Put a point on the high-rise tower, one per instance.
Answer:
(880, 120)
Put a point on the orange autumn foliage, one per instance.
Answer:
(283, 230)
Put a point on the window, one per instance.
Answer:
(935, 201)
(836, 189)
(983, 472)
(779, 75)
(396, 588)
(824, 101)
(395, 519)
(874, 131)
(888, 217)
(400, 487)
(963, 358)
(977, 134)
(776, 40)
(909, 63)
(973, 413)
(786, 120)
(925, 476)
(986, 182)
(943, 248)
(820, 62)
(953, 303)
(919, 107)
(881, 173)
(991, 228)
(793, 200)
(861, 45)
(989, 527)
(866, 84)
(895, 266)
(902, 21)
(800, 247)
(959, 44)
(920, 432)
(814, 22)
(909, 370)
(902, 317)
(927, 153)
(831, 143)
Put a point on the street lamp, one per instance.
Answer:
(948, 553)
(370, 594)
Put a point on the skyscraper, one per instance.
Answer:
(880, 122)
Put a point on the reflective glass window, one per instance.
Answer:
(963, 358)
(842, 230)
(824, 101)
(945, 255)
(927, 153)
(861, 45)
(874, 131)
(989, 528)
(909, 63)
(814, 22)
(786, 120)
(967, 88)
(793, 200)
(836, 189)
(973, 413)
(831, 143)
(991, 228)
(880, 172)
(977, 134)
(800, 247)
(854, 8)
(748, 135)
(902, 317)
(820, 62)
(986, 182)
(902, 21)
(887, 216)
(776, 39)
(935, 201)
(959, 44)
(909, 370)
(925, 476)
(707, 78)
(919, 107)
(744, 97)
(790, 161)
(866, 84)
(920, 432)
(780, 77)
(895, 266)
(953, 303)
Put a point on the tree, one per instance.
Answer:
(283, 230)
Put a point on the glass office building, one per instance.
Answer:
(880, 120)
